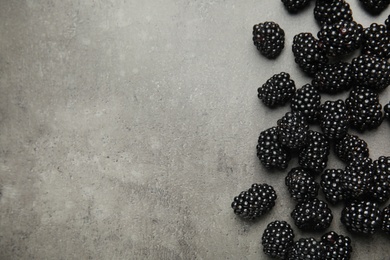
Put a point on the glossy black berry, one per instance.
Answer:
(375, 6)
(306, 248)
(332, 185)
(337, 247)
(376, 41)
(312, 215)
(301, 184)
(277, 90)
(333, 78)
(314, 155)
(350, 146)
(292, 130)
(361, 217)
(294, 6)
(307, 100)
(269, 39)
(330, 12)
(387, 23)
(357, 178)
(334, 120)
(386, 109)
(380, 189)
(277, 239)
(385, 225)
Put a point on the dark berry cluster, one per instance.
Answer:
(269, 39)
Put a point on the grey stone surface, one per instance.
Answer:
(127, 127)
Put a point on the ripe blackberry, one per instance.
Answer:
(277, 238)
(292, 130)
(307, 99)
(270, 152)
(255, 202)
(386, 108)
(314, 155)
(361, 217)
(376, 41)
(375, 6)
(337, 247)
(371, 71)
(312, 215)
(330, 12)
(277, 90)
(364, 109)
(294, 6)
(350, 146)
(301, 184)
(308, 53)
(386, 220)
(357, 178)
(333, 78)
(269, 39)
(332, 185)
(380, 189)
(334, 121)
(306, 248)
(341, 38)
(387, 23)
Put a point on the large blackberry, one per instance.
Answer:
(334, 121)
(255, 202)
(270, 152)
(309, 53)
(386, 220)
(306, 248)
(364, 109)
(332, 185)
(312, 215)
(314, 155)
(357, 178)
(330, 12)
(380, 189)
(277, 90)
(269, 39)
(376, 41)
(301, 184)
(307, 99)
(350, 146)
(292, 130)
(361, 217)
(277, 239)
(294, 6)
(333, 78)
(386, 109)
(375, 6)
(341, 38)
(337, 247)
(371, 71)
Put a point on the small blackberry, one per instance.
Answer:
(386, 220)
(301, 184)
(386, 108)
(337, 247)
(330, 12)
(277, 90)
(306, 248)
(292, 129)
(333, 78)
(376, 41)
(380, 189)
(334, 121)
(361, 217)
(294, 6)
(255, 202)
(332, 185)
(307, 100)
(277, 238)
(269, 39)
(357, 178)
(350, 146)
(312, 215)
(364, 109)
(308, 53)
(270, 152)
(375, 6)
(341, 38)
(314, 155)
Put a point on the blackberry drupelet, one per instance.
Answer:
(294, 6)
(357, 178)
(312, 215)
(277, 239)
(350, 146)
(376, 41)
(255, 202)
(386, 109)
(301, 184)
(387, 23)
(364, 109)
(375, 6)
(332, 185)
(341, 38)
(307, 100)
(269, 39)
(334, 121)
(306, 248)
(385, 225)
(308, 53)
(380, 189)
(333, 78)
(277, 90)
(361, 217)
(314, 155)
(292, 130)
(337, 247)
(270, 152)
(330, 12)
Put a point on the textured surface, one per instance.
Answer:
(127, 127)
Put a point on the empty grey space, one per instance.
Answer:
(127, 128)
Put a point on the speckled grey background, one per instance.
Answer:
(127, 127)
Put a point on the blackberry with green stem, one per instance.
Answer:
(314, 155)
(337, 247)
(332, 185)
(307, 100)
(312, 215)
(277, 239)
(350, 146)
(306, 248)
(292, 130)
(301, 184)
(277, 90)
(330, 12)
(269, 39)
(361, 217)
(333, 78)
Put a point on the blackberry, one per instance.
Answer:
(371, 71)
(301, 184)
(312, 215)
(277, 238)
(314, 155)
(386, 220)
(361, 217)
(270, 152)
(350, 146)
(337, 247)
(255, 202)
(332, 185)
(308, 53)
(380, 189)
(364, 109)
(294, 6)
(375, 6)
(330, 12)
(306, 248)
(269, 39)
(334, 121)
(386, 108)
(307, 99)
(277, 90)
(333, 78)
(376, 41)
(357, 178)
(341, 38)
(387, 23)
(292, 129)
